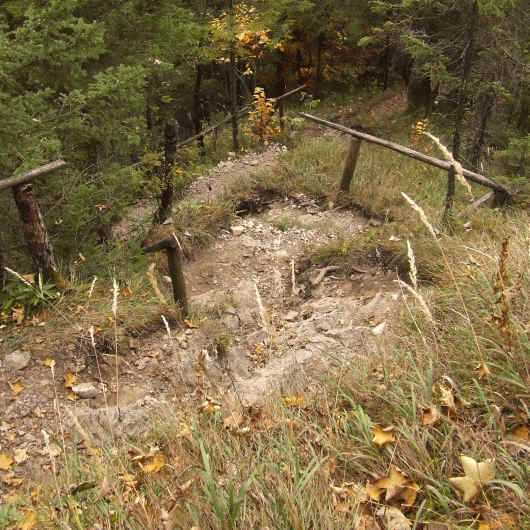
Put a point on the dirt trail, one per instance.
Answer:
(256, 331)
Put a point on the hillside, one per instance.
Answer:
(346, 361)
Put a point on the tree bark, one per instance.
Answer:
(462, 92)
(478, 144)
(197, 110)
(233, 98)
(168, 190)
(318, 77)
(35, 233)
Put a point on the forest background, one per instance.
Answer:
(96, 82)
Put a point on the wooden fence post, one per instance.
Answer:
(35, 233)
(176, 272)
(174, 260)
(351, 163)
(450, 196)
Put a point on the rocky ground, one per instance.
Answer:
(256, 328)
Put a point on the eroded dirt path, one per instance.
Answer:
(253, 331)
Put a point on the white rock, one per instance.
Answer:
(379, 329)
(17, 360)
(85, 390)
(237, 230)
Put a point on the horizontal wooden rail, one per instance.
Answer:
(436, 162)
(30, 175)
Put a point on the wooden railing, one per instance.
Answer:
(500, 192)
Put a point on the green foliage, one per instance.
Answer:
(29, 296)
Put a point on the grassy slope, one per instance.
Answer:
(300, 462)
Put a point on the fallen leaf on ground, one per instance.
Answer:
(482, 370)
(50, 363)
(153, 464)
(383, 436)
(16, 386)
(295, 401)
(392, 483)
(190, 324)
(210, 406)
(430, 415)
(30, 520)
(475, 476)
(69, 380)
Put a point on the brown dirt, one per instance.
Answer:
(254, 333)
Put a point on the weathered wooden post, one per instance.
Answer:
(351, 163)
(450, 196)
(173, 250)
(33, 228)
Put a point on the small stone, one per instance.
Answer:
(237, 230)
(17, 360)
(379, 329)
(85, 390)
(291, 316)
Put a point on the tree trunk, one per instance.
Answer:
(318, 77)
(197, 109)
(386, 63)
(233, 98)
(478, 144)
(462, 92)
(168, 190)
(280, 88)
(35, 233)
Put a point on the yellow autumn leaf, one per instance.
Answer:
(383, 436)
(5, 462)
(69, 380)
(374, 492)
(50, 363)
(16, 386)
(190, 324)
(475, 476)
(482, 370)
(295, 401)
(430, 415)
(393, 484)
(30, 520)
(153, 464)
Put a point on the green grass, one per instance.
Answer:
(295, 465)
